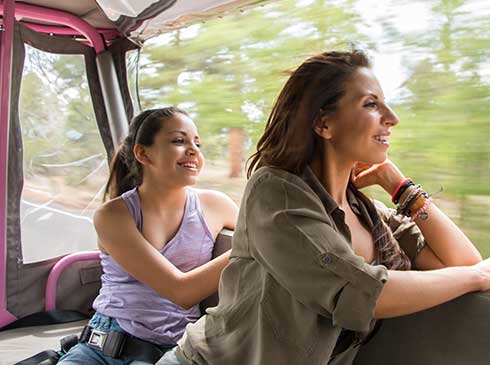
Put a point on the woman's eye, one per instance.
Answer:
(198, 145)
(371, 104)
(178, 140)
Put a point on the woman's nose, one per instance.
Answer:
(191, 150)
(390, 118)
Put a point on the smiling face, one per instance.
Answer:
(359, 129)
(174, 157)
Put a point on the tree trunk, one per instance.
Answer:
(236, 151)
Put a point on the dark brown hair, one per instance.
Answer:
(290, 143)
(126, 172)
(312, 91)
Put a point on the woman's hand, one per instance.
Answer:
(446, 245)
(385, 174)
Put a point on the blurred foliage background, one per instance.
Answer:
(432, 58)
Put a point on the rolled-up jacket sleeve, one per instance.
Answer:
(293, 238)
(406, 232)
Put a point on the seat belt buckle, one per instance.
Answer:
(97, 339)
(114, 344)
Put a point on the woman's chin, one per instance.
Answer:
(191, 180)
(374, 160)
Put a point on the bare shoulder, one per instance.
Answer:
(208, 196)
(217, 204)
(113, 210)
(111, 218)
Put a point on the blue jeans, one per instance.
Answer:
(83, 354)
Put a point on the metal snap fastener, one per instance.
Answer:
(327, 259)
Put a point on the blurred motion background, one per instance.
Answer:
(432, 58)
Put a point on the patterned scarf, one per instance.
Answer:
(388, 251)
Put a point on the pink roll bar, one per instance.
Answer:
(59, 17)
(108, 34)
(6, 39)
(58, 268)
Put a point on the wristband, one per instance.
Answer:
(400, 189)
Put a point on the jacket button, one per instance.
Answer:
(327, 259)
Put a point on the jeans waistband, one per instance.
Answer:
(104, 323)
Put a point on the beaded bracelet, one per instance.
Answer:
(415, 203)
(414, 191)
(422, 212)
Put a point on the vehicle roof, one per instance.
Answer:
(146, 18)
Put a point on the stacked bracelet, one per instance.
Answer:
(415, 201)
(413, 192)
(400, 189)
(422, 212)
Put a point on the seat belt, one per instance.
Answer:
(117, 345)
(120, 345)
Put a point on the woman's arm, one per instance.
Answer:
(408, 292)
(119, 237)
(447, 244)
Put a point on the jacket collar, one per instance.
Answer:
(330, 204)
(310, 178)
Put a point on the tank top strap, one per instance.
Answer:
(193, 199)
(132, 200)
(195, 206)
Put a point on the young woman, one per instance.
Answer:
(156, 237)
(314, 262)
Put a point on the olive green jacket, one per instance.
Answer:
(293, 281)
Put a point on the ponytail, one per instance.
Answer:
(124, 171)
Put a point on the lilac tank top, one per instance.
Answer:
(140, 310)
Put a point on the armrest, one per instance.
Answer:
(457, 332)
(222, 244)
(54, 274)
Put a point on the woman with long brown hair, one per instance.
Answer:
(315, 262)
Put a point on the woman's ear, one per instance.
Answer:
(323, 127)
(140, 154)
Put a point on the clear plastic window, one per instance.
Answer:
(65, 164)
(132, 61)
